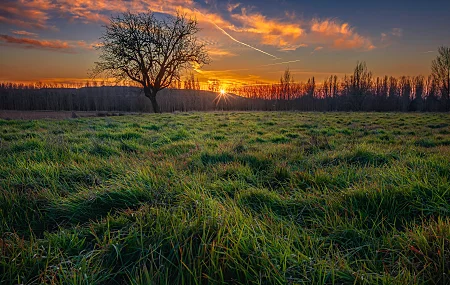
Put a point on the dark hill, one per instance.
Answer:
(128, 99)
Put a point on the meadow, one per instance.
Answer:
(226, 197)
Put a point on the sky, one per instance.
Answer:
(248, 41)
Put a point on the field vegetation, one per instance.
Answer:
(238, 198)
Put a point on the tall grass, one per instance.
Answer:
(227, 198)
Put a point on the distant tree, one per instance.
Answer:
(214, 85)
(311, 87)
(405, 89)
(285, 82)
(152, 52)
(360, 85)
(440, 68)
(417, 103)
(197, 85)
(392, 102)
(431, 94)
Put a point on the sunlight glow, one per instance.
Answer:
(221, 96)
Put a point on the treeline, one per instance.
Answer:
(53, 85)
(357, 92)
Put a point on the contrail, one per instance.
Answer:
(284, 62)
(247, 45)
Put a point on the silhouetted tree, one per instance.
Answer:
(149, 51)
(440, 68)
(285, 83)
(432, 102)
(405, 89)
(357, 92)
(360, 87)
(417, 103)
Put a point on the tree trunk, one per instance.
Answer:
(152, 96)
(154, 103)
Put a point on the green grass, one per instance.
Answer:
(237, 198)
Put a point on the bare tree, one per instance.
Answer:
(361, 82)
(152, 52)
(286, 82)
(440, 69)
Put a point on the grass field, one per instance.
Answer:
(239, 198)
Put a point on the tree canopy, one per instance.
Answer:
(151, 51)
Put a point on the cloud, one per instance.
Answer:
(339, 35)
(25, 33)
(27, 14)
(316, 49)
(36, 44)
(390, 37)
(232, 7)
(100, 10)
(37, 13)
(285, 34)
(273, 32)
(54, 45)
(216, 52)
(397, 32)
(86, 45)
(20, 23)
(330, 27)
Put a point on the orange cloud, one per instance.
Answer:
(29, 14)
(94, 11)
(215, 52)
(85, 45)
(341, 35)
(284, 34)
(38, 44)
(330, 27)
(273, 32)
(36, 13)
(353, 42)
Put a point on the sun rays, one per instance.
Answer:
(223, 96)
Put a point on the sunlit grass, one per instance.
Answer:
(237, 198)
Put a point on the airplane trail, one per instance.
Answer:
(242, 43)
